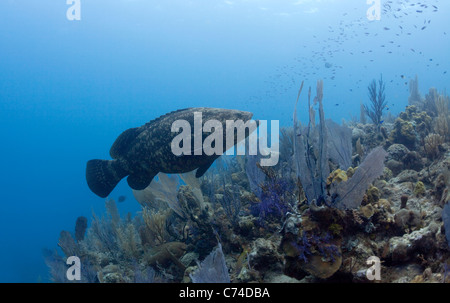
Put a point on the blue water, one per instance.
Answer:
(69, 88)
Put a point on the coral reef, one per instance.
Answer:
(339, 195)
(403, 133)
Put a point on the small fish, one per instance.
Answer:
(121, 199)
(382, 121)
(337, 104)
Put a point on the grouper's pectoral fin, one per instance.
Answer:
(140, 180)
(202, 169)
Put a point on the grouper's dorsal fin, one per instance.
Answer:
(165, 115)
(122, 144)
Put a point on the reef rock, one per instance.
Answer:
(279, 278)
(407, 218)
(321, 268)
(413, 160)
(394, 166)
(402, 249)
(357, 133)
(403, 133)
(397, 152)
(264, 255)
(406, 176)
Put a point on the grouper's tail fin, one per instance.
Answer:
(103, 175)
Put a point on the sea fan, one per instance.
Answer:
(311, 150)
(213, 269)
(164, 188)
(349, 194)
(339, 144)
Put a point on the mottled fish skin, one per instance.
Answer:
(143, 152)
(153, 149)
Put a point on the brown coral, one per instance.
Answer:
(404, 200)
(168, 252)
(80, 228)
(156, 223)
(318, 267)
(403, 133)
(432, 143)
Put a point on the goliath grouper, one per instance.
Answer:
(142, 152)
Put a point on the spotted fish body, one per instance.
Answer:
(142, 152)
